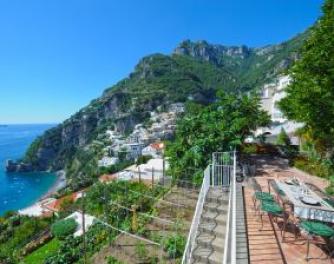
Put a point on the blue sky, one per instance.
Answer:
(56, 56)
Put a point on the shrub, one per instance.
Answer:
(64, 228)
(9, 214)
(68, 252)
(330, 188)
(249, 148)
(115, 168)
(313, 167)
(283, 138)
(143, 159)
(112, 260)
(174, 245)
(141, 250)
(15, 220)
(66, 203)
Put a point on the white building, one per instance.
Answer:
(113, 134)
(154, 167)
(176, 108)
(125, 175)
(107, 161)
(134, 149)
(271, 94)
(153, 150)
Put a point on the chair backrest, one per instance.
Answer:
(255, 185)
(274, 185)
(281, 196)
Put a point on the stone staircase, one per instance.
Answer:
(210, 240)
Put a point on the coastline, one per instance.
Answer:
(60, 183)
(36, 208)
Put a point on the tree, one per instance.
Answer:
(221, 126)
(64, 228)
(283, 138)
(310, 96)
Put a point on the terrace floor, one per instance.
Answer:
(265, 247)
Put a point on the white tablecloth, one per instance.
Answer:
(323, 212)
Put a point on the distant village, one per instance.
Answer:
(145, 140)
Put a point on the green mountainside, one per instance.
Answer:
(194, 71)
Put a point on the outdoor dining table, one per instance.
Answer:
(322, 211)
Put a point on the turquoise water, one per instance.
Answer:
(19, 190)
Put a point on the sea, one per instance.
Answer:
(19, 190)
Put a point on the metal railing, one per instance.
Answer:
(222, 169)
(230, 239)
(197, 216)
(222, 173)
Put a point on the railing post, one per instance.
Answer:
(234, 208)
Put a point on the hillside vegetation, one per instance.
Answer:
(195, 71)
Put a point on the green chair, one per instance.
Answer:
(274, 210)
(271, 207)
(259, 195)
(263, 196)
(316, 229)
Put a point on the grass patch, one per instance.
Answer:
(39, 255)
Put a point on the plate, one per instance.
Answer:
(290, 182)
(310, 200)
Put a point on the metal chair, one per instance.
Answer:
(274, 211)
(280, 194)
(314, 230)
(259, 195)
(282, 199)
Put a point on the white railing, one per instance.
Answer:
(230, 239)
(222, 165)
(221, 175)
(197, 217)
(222, 172)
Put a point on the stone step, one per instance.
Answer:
(210, 228)
(210, 241)
(217, 196)
(220, 219)
(217, 257)
(201, 254)
(214, 207)
(204, 255)
(221, 201)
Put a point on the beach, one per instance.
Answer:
(39, 208)
(58, 185)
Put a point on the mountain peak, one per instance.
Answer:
(211, 52)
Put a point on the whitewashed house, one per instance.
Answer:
(135, 149)
(176, 108)
(271, 94)
(154, 150)
(107, 161)
(113, 134)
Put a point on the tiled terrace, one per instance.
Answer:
(264, 246)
